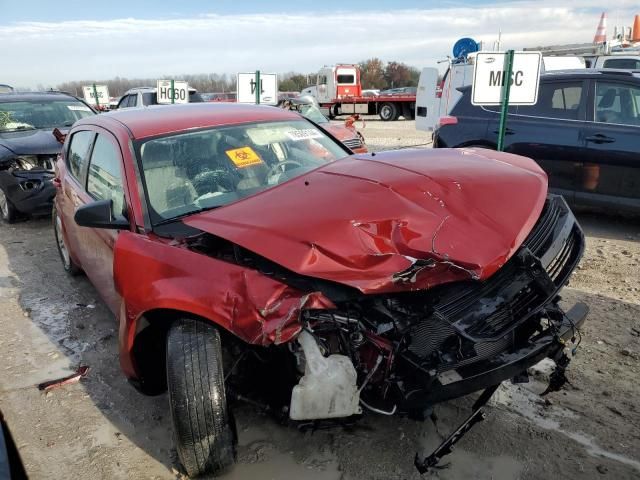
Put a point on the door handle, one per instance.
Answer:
(600, 138)
(507, 131)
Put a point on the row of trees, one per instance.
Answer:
(374, 74)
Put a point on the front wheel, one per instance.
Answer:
(205, 433)
(67, 262)
(8, 212)
(388, 112)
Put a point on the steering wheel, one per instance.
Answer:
(280, 166)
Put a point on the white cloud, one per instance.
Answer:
(49, 53)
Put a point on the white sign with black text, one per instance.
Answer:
(180, 91)
(247, 88)
(90, 93)
(489, 77)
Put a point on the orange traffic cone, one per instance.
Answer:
(635, 36)
(601, 32)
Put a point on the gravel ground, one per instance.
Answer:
(102, 428)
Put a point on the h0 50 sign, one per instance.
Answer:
(180, 91)
(490, 76)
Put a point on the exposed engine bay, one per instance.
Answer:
(403, 352)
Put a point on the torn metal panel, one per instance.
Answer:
(254, 307)
(364, 222)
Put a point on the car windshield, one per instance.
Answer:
(190, 172)
(35, 114)
(313, 113)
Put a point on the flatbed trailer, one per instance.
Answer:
(388, 107)
(338, 91)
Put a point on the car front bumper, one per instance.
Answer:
(548, 344)
(30, 192)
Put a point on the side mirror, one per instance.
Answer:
(100, 215)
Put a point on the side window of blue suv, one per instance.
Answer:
(556, 100)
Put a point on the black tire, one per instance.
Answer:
(204, 428)
(8, 212)
(388, 112)
(67, 262)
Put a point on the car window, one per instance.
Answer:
(617, 103)
(133, 100)
(622, 63)
(556, 100)
(123, 101)
(104, 179)
(40, 114)
(149, 98)
(191, 171)
(194, 97)
(78, 151)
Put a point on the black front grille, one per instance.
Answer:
(485, 312)
(353, 143)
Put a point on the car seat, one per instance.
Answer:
(604, 112)
(167, 186)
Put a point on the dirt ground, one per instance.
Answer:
(102, 428)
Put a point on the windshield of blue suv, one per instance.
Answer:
(194, 171)
(36, 114)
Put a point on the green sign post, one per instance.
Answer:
(173, 92)
(95, 95)
(506, 89)
(258, 87)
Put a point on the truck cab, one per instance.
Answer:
(337, 82)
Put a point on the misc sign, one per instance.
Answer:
(176, 93)
(490, 76)
(247, 85)
(97, 95)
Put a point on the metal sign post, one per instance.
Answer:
(95, 94)
(258, 87)
(506, 89)
(505, 78)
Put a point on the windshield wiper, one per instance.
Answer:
(179, 217)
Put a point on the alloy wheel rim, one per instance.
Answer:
(61, 244)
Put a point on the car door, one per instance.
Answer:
(104, 181)
(550, 132)
(72, 188)
(611, 172)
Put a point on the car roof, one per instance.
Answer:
(164, 119)
(149, 89)
(593, 73)
(609, 73)
(34, 96)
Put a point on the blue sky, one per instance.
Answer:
(50, 10)
(50, 42)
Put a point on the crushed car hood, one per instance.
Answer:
(396, 221)
(31, 142)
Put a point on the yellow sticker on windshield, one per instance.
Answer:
(244, 157)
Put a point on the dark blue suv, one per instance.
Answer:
(584, 132)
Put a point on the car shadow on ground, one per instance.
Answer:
(70, 313)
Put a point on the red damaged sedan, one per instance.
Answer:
(250, 257)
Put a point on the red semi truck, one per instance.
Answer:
(338, 91)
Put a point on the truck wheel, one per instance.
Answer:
(388, 112)
(68, 264)
(204, 428)
(8, 212)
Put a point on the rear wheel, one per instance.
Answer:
(388, 112)
(69, 265)
(8, 212)
(204, 428)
